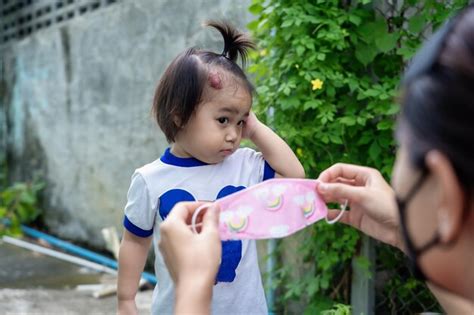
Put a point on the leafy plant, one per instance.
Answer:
(329, 71)
(339, 309)
(18, 205)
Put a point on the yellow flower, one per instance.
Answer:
(299, 152)
(263, 52)
(317, 84)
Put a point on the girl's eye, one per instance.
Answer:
(223, 120)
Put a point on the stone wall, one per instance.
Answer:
(75, 103)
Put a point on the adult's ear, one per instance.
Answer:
(449, 196)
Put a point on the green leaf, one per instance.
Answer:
(348, 120)
(311, 104)
(300, 50)
(394, 109)
(356, 20)
(374, 151)
(387, 42)
(384, 125)
(417, 23)
(330, 91)
(371, 92)
(287, 23)
(263, 89)
(256, 8)
(406, 52)
(3, 212)
(27, 197)
(290, 102)
(335, 139)
(380, 28)
(253, 26)
(365, 54)
(371, 30)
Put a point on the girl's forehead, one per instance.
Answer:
(224, 86)
(231, 99)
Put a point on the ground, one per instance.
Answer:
(49, 301)
(32, 283)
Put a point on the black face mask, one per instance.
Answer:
(413, 252)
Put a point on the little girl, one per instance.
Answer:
(203, 106)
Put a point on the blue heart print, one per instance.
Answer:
(231, 250)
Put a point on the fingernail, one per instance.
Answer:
(323, 187)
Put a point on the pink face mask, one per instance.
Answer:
(272, 209)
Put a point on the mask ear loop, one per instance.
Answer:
(195, 215)
(339, 216)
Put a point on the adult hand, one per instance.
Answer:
(192, 258)
(373, 208)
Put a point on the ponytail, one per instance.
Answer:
(235, 42)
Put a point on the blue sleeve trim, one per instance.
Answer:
(132, 228)
(268, 172)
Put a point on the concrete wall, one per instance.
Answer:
(75, 103)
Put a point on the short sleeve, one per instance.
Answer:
(139, 213)
(260, 168)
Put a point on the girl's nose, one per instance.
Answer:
(231, 135)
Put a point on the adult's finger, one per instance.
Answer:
(183, 210)
(359, 174)
(210, 221)
(335, 192)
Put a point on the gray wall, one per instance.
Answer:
(75, 100)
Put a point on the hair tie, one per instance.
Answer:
(224, 54)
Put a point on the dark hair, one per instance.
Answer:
(438, 98)
(181, 87)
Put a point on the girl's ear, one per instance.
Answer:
(449, 211)
(177, 121)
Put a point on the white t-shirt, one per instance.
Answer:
(158, 186)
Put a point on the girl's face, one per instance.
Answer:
(214, 131)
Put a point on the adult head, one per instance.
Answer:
(434, 172)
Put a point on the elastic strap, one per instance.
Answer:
(195, 215)
(339, 216)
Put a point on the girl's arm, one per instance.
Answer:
(275, 151)
(132, 257)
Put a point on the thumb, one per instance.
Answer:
(210, 220)
(335, 192)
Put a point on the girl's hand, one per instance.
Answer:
(127, 308)
(251, 124)
(373, 209)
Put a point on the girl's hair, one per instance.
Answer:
(181, 87)
(438, 101)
